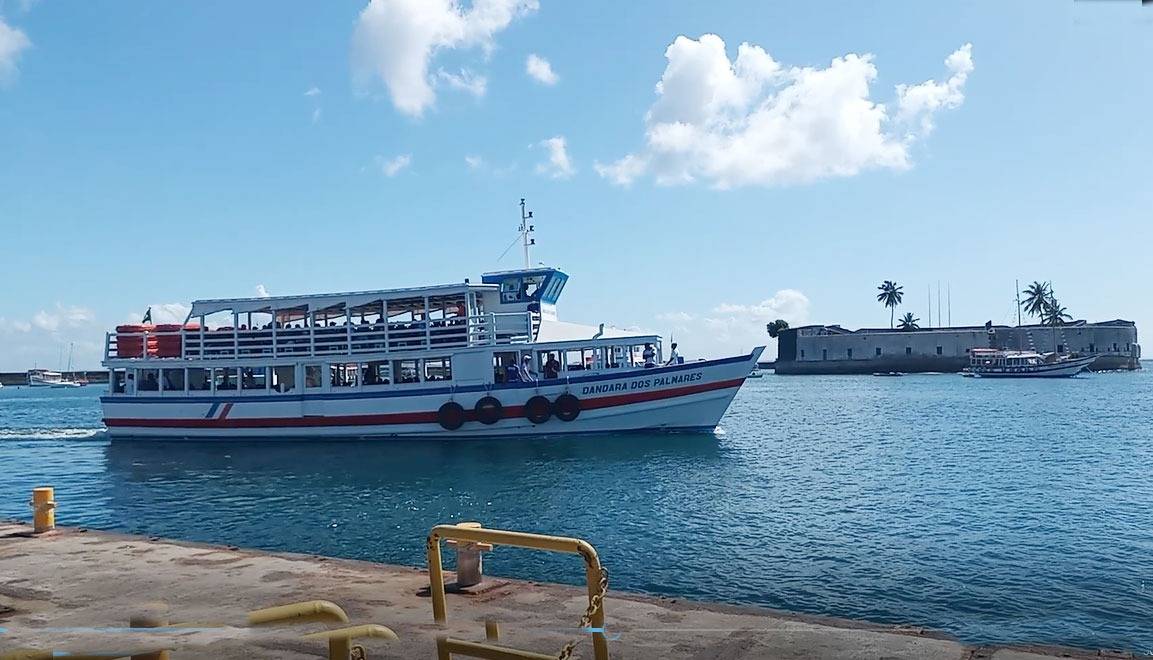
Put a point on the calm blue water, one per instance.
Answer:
(1015, 511)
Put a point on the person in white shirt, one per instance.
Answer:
(526, 373)
(650, 356)
(674, 357)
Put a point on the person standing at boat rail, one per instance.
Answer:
(674, 357)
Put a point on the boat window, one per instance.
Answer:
(510, 290)
(117, 378)
(342, 375)
(283, 378)
(438, 368)
(574, 360)
(198, 379)
(501, 364)
(254, 378)
(172, 380)
(407, 371)
(374, 373)
(148, 380)
(878, 352)
(939, 350)
(224, 378)
(908, 350)
(312, 376)
(849, 353)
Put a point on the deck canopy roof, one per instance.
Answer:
(353, 300)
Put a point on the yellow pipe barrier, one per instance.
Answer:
(446, 646)
(340, 640)
(149, 621)
(593, 570)
(37, 654)
(43, 510)
(313, 610)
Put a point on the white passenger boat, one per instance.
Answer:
(46, 378)
(457, 360)
(993, 363)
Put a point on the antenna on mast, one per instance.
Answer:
(526, 231)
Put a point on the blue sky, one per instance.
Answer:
(155, 153)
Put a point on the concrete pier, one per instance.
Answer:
(57, 589)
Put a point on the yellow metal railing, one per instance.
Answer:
(339, 640)
(595, 574)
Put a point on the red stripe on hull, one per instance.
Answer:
(406, 418)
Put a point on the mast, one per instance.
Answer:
(938, 303)
(1017, 286)
(929, 291)
(949, 299)
(526, 230)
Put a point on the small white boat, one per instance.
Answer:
(46, 378)
(993, 363)
(892, 374)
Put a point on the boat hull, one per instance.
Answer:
(691, 396)
(1065, 369)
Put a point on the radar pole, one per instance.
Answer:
(526, 230)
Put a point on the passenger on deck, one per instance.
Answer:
(674, 357)
(512, 373)
(650, 356)
(552, 367)
(149, 383)
(526, 372)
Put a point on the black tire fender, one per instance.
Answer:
(450, 416)
(488, 410)
(537, 409)
(566, 407)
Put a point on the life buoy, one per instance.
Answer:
(451, 416)
(488, 410)
(537, 410)
(566, 407)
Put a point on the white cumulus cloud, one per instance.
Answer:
(753, 121)
(733, 328)
(474, 162)
(558, 165)
(63, 316)
(540, 70)
(395, 41)
(313, 91)
(12, 43)
(390, 167)
(261, 291)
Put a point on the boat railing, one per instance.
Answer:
(192, 342)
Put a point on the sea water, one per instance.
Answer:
(995, 510)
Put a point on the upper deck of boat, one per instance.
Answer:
(505, 308)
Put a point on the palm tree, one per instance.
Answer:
(908, 322)
(775, 327)
(890, 296)
(1054, 313)
(1036, 295)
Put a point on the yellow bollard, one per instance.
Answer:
(43, 510)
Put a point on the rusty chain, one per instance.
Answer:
(595, 604)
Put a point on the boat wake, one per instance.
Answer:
(49, 434)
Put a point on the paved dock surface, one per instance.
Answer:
(56, 589)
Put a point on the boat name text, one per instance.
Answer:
(641, 384)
